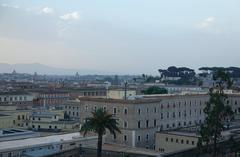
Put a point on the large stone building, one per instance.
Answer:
(17, 99)
(140, 119)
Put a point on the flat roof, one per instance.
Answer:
(181, 133)
(133, 150)
(14, 93)
(37, 141)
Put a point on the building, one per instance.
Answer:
(50, 98)
(174, 141)
(6, 121)
(140, 119)
(17, 99)
(120, 93)
(13, 118)
(46, 145)
(185, 139)
(51, 122)
(16, 134)
(88, 92)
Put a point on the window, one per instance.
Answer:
(167, 125)
(167, 114)
(155, 122)
(39, 118)
(139, 111)
(187, 142)
(179, 114)
(173, 114)
(161, 115)
(114, 110)
(50, 127)
(166, 139)
(155, 110)
(182, 141)
(86, 108)
(139, 124)
(125, 124)
(55, 127)
(171, 139)
(139, 138)
(147, 110)
(105, 108)
(147, 137)
(193, 142)
(9, 154)
(125, 138)
(147, 123)
(125, 111)
(176, 140)
(114, 137)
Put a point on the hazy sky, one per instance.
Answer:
(125, 36)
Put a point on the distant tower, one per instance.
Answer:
(14, 72)
(35, 75)
(77, 75)
(116, 80)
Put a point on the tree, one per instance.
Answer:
(155, 90)
(217, 113)
(99, 123)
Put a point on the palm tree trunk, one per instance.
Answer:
(99, 150)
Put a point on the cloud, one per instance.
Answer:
(71, 16)
(10, 6)
(207, 22)
(47, 10)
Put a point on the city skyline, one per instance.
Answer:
(124, 37)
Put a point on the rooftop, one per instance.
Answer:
(14, 93)
(39, 141)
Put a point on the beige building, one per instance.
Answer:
(120, 93)
(140, 119)
(46, 121)
(14, 118)
(174, 141)
(6, 121)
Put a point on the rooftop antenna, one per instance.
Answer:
(125, 90)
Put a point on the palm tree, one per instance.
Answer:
(100, 121)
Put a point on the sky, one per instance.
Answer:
(124, 36)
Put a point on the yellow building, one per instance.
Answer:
(52, 122)
(174, 141)
(120, 93)
(6, 121)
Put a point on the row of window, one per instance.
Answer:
(39, 127)
(13, 98)
(182, 141)
(155, 124)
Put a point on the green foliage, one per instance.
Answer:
(216, 112)
(99, 123)
(155, 90)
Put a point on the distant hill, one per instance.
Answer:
(44, 69)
